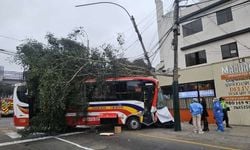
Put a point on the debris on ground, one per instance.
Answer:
(106, 134)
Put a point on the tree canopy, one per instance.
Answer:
(54, 73)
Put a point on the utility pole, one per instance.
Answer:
(177, 126)
(142, 44)
(134, 25)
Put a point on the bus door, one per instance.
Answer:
(148, 93)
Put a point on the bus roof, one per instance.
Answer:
(126, 79)
(20, 84)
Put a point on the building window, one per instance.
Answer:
(188, 91)
(224, 16)
(196, 58)
(229, 50)
(192, 27)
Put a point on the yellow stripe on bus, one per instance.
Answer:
(103, 108)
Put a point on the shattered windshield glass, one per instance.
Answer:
(162, 100)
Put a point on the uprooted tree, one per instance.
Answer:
(54, 73)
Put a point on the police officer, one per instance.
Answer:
(225, 108)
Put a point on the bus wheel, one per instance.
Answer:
(133, 123)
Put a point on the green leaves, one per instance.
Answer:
(54, 73)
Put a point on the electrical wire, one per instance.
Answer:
(200, 16)
(10, 38)
(131, 28)
(160, 43)
(145, 28)
(7, 52)
(202, 2)
(223, 29)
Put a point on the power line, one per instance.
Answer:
(131, 28)
(10, 38)
(163, 38)
(197, 3)
(145, 28)
(200, 16)
(143, 31)
(7, 52)
(132, 19)
(160, 42)
(225, 30)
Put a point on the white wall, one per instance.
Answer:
(165, 22)
(210, 30)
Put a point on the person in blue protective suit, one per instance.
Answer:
(218, 114)
(196, 110)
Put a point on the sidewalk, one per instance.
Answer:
(237, 137)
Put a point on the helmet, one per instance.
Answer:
(221, 99)
(216, 99)
(195, 100)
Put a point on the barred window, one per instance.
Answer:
(229, 50)
(224, 16)
(196, 58)
(192, 27)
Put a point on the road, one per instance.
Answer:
(89, 139)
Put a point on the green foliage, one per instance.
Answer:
(54, 73)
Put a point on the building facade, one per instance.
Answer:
(213, 55)
(1, 73)
(7, 81)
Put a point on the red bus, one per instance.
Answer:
(130, 101)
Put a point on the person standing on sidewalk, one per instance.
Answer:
(218, 114)
(225, 108)
(196, 110)
(204, 114)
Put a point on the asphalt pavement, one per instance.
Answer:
(237, 137)
(6, 127)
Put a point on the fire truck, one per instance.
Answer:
(6, 106)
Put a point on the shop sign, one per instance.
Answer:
(237, 83)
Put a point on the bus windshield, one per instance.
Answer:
(162, 102)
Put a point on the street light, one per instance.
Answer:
(134, 25)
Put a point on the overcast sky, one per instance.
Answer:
(22, 19)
